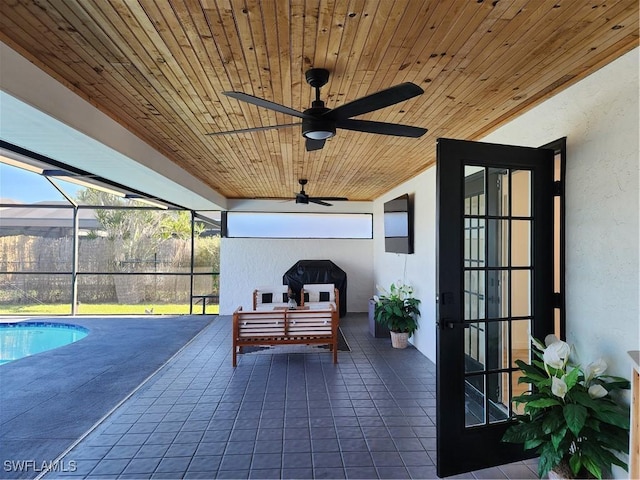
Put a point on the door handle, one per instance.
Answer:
(447, 324)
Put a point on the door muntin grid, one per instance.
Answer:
(498, 289)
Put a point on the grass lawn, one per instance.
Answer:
(104, 309)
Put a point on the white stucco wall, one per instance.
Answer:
(599, 117)
(417, 269)
(257, 262)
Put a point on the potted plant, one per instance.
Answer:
(571, 416)
(398, 311)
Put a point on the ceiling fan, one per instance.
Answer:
(319, 122)
(303, 197)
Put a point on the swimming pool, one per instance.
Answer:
(18, 340)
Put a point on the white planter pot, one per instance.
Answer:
(399, 339)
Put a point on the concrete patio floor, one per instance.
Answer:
(275, 416)
(47, 401)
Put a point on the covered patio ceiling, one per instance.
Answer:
(159, 69)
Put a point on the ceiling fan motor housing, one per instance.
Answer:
(316, 127)
(317, 77)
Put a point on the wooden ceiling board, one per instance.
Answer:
(497, 82)
(546, 70)
(159, 67)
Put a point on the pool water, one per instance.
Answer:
(19, 340)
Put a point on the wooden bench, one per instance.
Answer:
(283, 327)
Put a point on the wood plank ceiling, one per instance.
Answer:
(159, 66)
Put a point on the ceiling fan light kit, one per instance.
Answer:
(319, 122)
(317, 129)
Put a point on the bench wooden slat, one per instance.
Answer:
(262, 333)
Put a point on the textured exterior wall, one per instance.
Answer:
(599, 117)
(247, 263)
(419, 268)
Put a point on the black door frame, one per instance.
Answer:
(475, 446)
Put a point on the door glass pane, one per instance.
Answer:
(474, 400)
(497, 238)
(474, 295)
(467, 242)
(498, 334)
(473, 246)
(557, 228)
(521, 293)
(498, 191)
(521, 243)
(556, 323)
(520, 343)
(473, 242)
(497, 293)
(474, 190)
(474, 205)
(474, 347)
(522, 196)
(498, 393)
(517, 389)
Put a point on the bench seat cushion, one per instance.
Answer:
(270, 296)
(320, 296)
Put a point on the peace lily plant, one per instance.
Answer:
(397, 309)
(571, 417)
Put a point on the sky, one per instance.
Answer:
(27, 187)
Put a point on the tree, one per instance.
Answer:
(134, 234)
(139, 240)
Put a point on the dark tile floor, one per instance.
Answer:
(49, 400)
(276, 416)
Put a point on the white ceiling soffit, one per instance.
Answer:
(57, 123)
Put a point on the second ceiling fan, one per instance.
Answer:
(304, 198)
(320, 123)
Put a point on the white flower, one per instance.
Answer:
(594, 369)
(558, 387)
(550, 339)
(376, 298)
(597, 391)
(556, 354)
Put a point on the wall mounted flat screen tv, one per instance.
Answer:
(398, 225)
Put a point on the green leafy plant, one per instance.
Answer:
(571, 416)
(397, 309)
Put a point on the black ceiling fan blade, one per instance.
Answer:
(254, 129)
(319, 202)
(382, 128)
(312, 144)
(332, 199)
(261, 102)
(376, 101)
